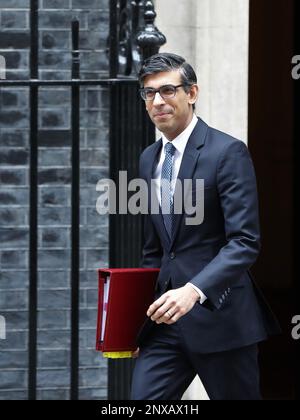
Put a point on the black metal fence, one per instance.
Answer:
(132, 38)
(127, 142)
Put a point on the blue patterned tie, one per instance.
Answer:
(166, 193)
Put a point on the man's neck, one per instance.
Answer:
(173, 136)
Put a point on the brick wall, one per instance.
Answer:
(54, 198)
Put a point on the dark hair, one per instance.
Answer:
(165, 62)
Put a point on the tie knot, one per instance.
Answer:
(170, 149)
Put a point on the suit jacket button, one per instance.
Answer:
(173, 256)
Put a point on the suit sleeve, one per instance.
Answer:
(236, 183)
(152, 250)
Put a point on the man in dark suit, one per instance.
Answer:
(208, 315)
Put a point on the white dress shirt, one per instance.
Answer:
(180, 143)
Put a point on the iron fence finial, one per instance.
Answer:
(150, 39)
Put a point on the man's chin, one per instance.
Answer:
(161, 125)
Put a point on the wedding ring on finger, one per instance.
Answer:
(170, 315)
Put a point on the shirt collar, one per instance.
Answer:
(181, 141)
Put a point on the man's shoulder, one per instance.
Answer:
(222, 137)
(150, 149)
(221, 141)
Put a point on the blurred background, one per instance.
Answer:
(70, 115)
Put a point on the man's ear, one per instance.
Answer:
(193, 94)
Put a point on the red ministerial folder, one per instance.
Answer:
(124, 297)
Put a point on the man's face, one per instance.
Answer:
(171, 116)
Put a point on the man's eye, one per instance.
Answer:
(168, 90)
(149, 92)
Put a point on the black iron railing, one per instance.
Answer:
(33, 212)
(132, 38)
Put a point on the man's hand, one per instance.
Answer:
(136, 353)
(172, 305)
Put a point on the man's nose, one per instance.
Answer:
(158, 100)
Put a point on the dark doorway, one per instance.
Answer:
(272, 130)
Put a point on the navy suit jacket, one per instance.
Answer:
(216, 255)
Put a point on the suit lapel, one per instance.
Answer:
(187, 169)
(188, 165)
(152, 162)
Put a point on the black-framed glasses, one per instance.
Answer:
(166, 92)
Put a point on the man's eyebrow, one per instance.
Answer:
(165, 84)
